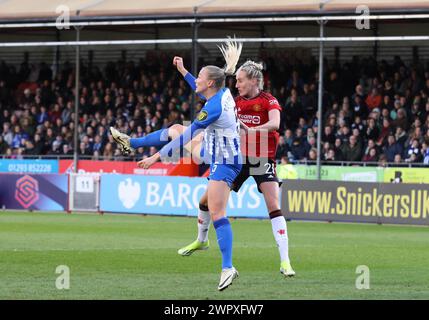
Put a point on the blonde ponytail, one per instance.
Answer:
(231, 52)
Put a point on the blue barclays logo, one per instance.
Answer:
(172, 196)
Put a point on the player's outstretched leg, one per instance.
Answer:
(127, 144)
(202, 242)
(157, 138)
(122, 140)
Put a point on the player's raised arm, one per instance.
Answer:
(190, 79)
(178, 62)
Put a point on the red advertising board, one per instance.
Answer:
(129, 167)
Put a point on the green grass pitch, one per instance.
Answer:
(134, 257)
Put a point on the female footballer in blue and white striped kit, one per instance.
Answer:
(220, 146)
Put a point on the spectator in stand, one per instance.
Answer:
(298, 149)
(385, 131)
(373, 100)
(330, 156)
(425, 153)
(397, 159)
(372, 131)
(282, 149)
(344, 134)
(392, 148)
(3, 145)
(401, 136)
(312, 155)
(413, 152)
(328, 135)
(371, 156)
(352, 151)
(338, 150)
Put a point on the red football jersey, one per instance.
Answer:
(254, 112)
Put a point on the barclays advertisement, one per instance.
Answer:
(47, 192)
(28, 166)
(172, 196)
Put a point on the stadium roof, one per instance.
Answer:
(24, 10)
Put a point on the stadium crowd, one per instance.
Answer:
(372, 111)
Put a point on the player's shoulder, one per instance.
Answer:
(268, 98)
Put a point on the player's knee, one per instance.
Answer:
(175, 130)
(217, 215)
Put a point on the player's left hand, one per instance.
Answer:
(148, 162)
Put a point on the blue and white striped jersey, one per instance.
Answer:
(218, 118)
(221, 143)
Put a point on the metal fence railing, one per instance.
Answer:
(297, 162)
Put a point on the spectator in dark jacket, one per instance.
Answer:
(328, 135)
(392, 148)
(298, 149)
(352, 151)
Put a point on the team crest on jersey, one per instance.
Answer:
(257, 107)
(202, 115)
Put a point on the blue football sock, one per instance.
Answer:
(158, 138)
(224, 239)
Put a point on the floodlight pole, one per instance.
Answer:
(320, 100)
(76, 103)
